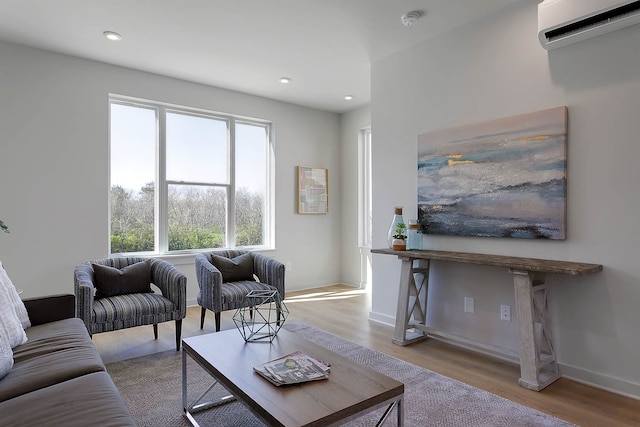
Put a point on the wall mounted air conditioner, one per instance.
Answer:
(564, 22)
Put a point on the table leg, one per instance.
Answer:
(538, 364)
(190, 408)
(184, 381)
(398, 406)
(412, 301)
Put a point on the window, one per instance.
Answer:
(364, 207)
(365, 229)
(184, 179)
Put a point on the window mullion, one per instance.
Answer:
(162, 191)
(231, 190)
(269, 213)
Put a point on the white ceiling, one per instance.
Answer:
(325, 46)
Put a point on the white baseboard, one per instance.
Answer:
(382, 318)
(580, 375)
(602, 381)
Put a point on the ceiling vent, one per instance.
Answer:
(564, 22)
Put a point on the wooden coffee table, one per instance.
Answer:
(352, 389)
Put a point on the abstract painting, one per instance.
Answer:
(313, 190)
(502, 178)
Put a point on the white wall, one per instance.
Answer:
(54, 170)
(351, 125)
(495, 68)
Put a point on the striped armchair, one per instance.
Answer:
(132, 309)
(218, 296)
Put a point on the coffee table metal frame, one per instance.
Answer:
(197, 405)
(190, 408)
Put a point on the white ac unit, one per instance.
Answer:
(564, 22)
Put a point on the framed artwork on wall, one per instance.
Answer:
(501, 178)
(313, 190)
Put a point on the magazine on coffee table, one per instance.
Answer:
(293, 368)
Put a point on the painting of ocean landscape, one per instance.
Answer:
(502, 178)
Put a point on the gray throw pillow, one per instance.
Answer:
(132, 279)
(234, 270)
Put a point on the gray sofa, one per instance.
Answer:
(58, 377)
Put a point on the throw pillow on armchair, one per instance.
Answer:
(132, 279)
(234, 269)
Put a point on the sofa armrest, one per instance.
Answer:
(50, 308)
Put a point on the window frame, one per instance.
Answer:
(365, 227)
(161, 191)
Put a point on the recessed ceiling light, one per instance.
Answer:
(111, 35)
(284, 80)
(349, 97)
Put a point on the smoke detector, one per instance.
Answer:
(410, 18)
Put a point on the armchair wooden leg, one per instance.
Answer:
(203, 311)
(178, 333)
(217, 315)
(155, 330)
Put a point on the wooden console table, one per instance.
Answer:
(538, 364)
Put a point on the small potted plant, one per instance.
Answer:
(400, 238)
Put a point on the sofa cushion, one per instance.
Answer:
(13, 296)
(55, 352)
(91, 399)
(233, 293)
(132, 279)
(53, 336)
(50, 308)
(234, 270)
(130, 306)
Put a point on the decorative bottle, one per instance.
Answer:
(397, 219)
(414, 236)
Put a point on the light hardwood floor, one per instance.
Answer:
(344, 311)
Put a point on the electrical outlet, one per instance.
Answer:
(505, 312)
(288, 266)
(469, 304)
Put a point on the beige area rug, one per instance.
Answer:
(152, 388)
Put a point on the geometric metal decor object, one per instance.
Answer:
(260, 316)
